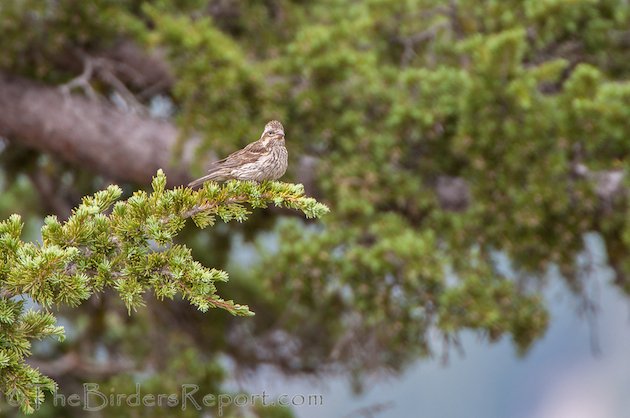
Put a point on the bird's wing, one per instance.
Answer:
(251, 153)
(256, 146)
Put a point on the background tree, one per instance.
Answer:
(441, 134)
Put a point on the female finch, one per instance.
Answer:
(265, 159)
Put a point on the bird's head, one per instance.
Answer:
(273, 131)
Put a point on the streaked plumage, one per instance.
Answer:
(264, 159)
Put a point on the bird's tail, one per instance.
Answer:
(202, 180)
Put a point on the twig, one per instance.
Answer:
(202, 208)
(221, 304)
(104, 69)
(108, 76)
(211, 205)
(82, 81)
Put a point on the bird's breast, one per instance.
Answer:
(279, 162)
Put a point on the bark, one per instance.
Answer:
(91, 133)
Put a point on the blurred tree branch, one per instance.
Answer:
(76, 364)
(49, 193)
(90, 132)
(133, 65)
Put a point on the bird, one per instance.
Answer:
(264, 159)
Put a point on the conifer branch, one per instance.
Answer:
(126, 245)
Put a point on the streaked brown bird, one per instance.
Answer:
(265, 159)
